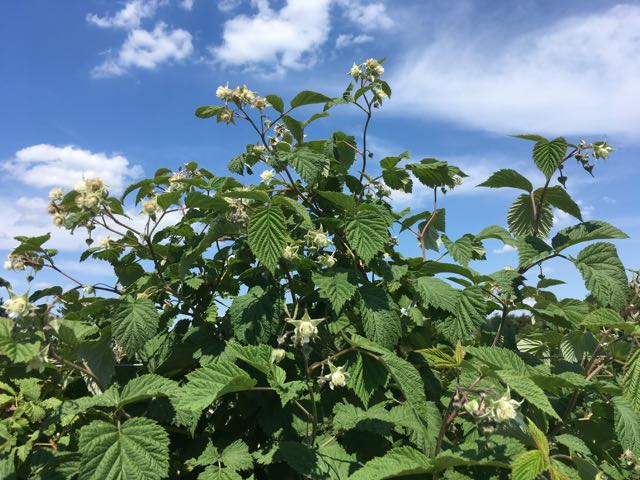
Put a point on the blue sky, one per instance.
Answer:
(108, 88)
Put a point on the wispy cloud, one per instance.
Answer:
(346, 39)
(576, 75)
(128, 17)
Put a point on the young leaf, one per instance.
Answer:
(528, 465)
(603, 274)
(276, 102)
(335, 287)
(307, 163)
(548, 155)
(138, 448)
(521, 218)
(507, 178)
(134, 323)
(267, 235)
(559, 198)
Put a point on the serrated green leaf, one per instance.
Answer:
(379, 318)
(397, 462)
(521, 219)
(548, 155)
(134, 323)
(267, 232)
(340, 199)
(204, 386)
(145, 387)
(307, 97)
(584, 232)
(257, 315)
(468, 316)
(528, 390)
(627, 424)
(236, 456)
(631, 380)
(436, 293)
(367, 232)
(531, 249)
(366, 376)
(461, 250)
(507, 178)
(573, 443)
(307, 163)
(528, 465)
(606, 318)
(335, 287)
(559, 198)
(138, 448)
(603, 274)
(499, 358)
(276, 102)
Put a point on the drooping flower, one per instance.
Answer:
(601, 149)
(327, 260)
(55, 194)
(277, 355)
(318, 238)
(150, 207)
(17, 306)
(504, 409)
(373, 67)
(290, 252)
(336, 377)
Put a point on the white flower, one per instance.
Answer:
(266, 176)
(337, 376)
(373, 67)
(8, 265)
(290, 252)
(150, 207)
(305, 329)
(80, 186)
(17, 306)
(88, 290)
(318, 238)
(601, 149)
(260, 103)
(277, 355)
(504, 409)
(380, 95)
(355, 71)
(224, 92)
(58, 219)
(326, 260)
(104, 242)
(404, 311)
(91, 201)
(226, 116)
(55, 194)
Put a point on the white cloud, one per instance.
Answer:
(147, 49)
(187, 4)
(47, 165)
(129, 17)
(504, 249)
(346, 39)
(367, 16)
(228, 5)
(577, 75)
(275, 40)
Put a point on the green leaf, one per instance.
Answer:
(468, 316)
(366, 376)
(531, 249)
(340, 199)
(631, 380)
(335, 287)
(146, 387)
(295, 127)
(249, 194)
(497, 232)
(267, 235)
(276, 102)
(204, 386)
(574, 444)
(560, 198)
(530, 136)
(18, 350)
(257, 315)
(584, 232)
(397, 462)
(528, 390)
(548, 155)
(134, 323)
(603, 274)
(435, 173)
(293, 206)
(367, 232)
(307, 97)
(208, 111)
(528, 465)
(606, 318)
(520, 217)
(138, 448)
(236, 456)
(627, 424)
(507, 178)
(380, 321)
(436, 293)
(307, 163)
(462, 250)
(499, 358)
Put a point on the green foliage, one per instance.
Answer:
(277, 329)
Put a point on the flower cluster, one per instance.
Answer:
(90, 195)
(266, 176)
(150, 206)
(18, 262)
(503, 409)
(370, 70)
(317, 239)
(241, 95)
(238, 212)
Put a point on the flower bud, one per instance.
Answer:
(150, 207)
(58, 219)
(277, 355)
(290, 252)
(326, 261)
